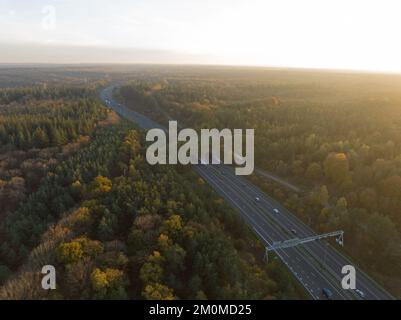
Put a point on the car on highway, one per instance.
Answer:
(257, 199)
(293, 231)
(327, 293)
(276, 211)
(360, 293)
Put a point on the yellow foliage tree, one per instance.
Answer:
(158, 291)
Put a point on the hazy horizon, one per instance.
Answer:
(346, 35)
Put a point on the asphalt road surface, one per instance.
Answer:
(316, 265)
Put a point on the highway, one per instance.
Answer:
(315, 265)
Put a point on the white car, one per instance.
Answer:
(360, 293)
(276, 211)
(257, 199)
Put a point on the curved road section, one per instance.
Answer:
(316, 265)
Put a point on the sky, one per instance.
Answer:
(340, 34)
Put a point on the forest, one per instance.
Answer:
(335, 135)
(77, 193)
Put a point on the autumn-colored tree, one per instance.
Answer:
(108, 284)
(173, 224)
(314, 172)
(323, 196)
(391, 187)
(101, 185)
(151, 272)
(75, 250)
(158, 291)
(70, 252)
(336, 167)
(368, 199)
(40, 138)
(342, 203)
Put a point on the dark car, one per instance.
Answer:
(327, 293)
